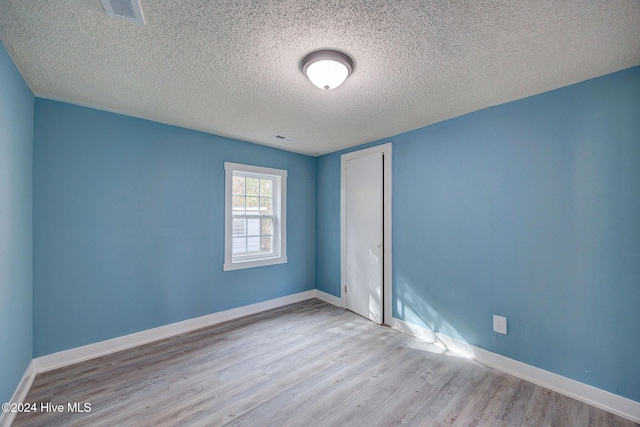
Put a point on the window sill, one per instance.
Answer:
(240, 265)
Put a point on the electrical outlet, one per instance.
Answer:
(500, 324)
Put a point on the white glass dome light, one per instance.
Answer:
(327, 69)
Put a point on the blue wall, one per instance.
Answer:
(129, 222)
(530, 210)
(16, 238)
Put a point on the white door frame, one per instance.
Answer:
(387, 276)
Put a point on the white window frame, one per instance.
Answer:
(279, 194)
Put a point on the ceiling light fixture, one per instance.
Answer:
(327, 69)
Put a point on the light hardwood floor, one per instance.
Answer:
(306, 364)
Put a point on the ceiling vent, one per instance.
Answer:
(285, 138)
(126, 9)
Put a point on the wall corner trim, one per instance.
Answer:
(6, 418)
(328, 298)
(618, 405)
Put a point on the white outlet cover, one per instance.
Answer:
(500, 324)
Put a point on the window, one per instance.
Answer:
(255, 216)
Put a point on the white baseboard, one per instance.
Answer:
(413, 330)
(618, 405)
(323, 296)
(80, 354)
(6, 418)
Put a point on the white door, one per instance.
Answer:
(363, 235)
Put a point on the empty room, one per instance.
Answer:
(291, 212)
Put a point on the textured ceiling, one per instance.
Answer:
(232, 67)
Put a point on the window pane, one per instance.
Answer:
(238, 185)
(239, 246)
(267, 227)
(252, 205)
(252, 186)
(253, 245)
(239, 227)
(253, 227)
(266, 244)
(238, 203)
(266, 205)
(265, 187)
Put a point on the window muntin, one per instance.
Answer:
(255, 224)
